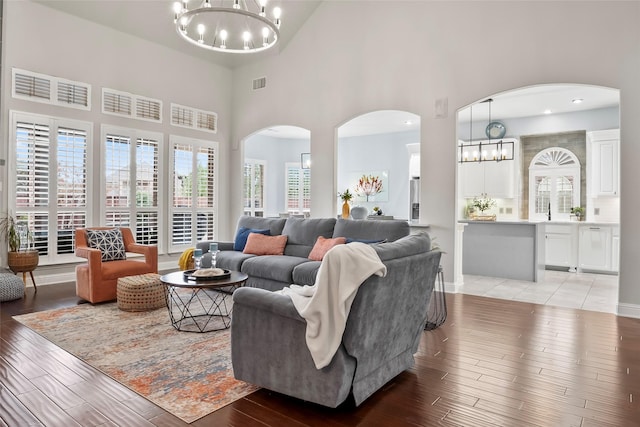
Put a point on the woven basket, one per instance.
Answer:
(21, 262)
(140, 293)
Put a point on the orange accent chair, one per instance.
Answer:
(97, 281)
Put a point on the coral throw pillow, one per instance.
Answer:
(259, 244)
(243, 234)
(323, 245)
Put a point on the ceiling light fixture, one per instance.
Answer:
(238, 26)
(479, 152)
(547, 111)
(577, 100)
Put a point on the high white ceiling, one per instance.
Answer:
(153, 20)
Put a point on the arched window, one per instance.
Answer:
(554, 184)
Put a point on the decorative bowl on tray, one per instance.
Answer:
(207, 274)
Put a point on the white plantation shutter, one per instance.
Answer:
(49, 186)
(194, 176)
(116, 103)
(298, 188)
(131, 105)
(31, 86)
(193, 118)
(131, 188)
(51, 90)
(254, 187)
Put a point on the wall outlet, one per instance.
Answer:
(596, 211)
(509, 211)
(501, 210)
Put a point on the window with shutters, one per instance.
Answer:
(131, 182)
(193, 118)
(129, 105)
(49, 181)
(297, 188)
(254, 175)
(554, 184)
(50, 90)
(194, 178)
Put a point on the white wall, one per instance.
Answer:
(276, 152)
(354, 57)
(44, 40)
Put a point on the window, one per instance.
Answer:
(254, 187)
(126, 104)
(554, 184)
(193, 193)
(131, 188)
(298, 188)
(49, 181)
(50, 90)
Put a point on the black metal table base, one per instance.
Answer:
(437, 312)
(199, 309)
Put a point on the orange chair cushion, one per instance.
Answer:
(121, 268)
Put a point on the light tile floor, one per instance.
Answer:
(588, 291)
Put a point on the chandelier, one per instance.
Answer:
(237, 26)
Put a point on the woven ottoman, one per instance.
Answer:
(140, 293)
(11, 287)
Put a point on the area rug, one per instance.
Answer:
(186, 374)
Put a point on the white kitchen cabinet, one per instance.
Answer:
(615, 249)
(595, 244)
(605, 161)
(496, 179)
(559, 246)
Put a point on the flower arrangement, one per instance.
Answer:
(578, 211)
(483, 203)
(369, 185)
(346, 196)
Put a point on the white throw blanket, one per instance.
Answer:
(325, 305)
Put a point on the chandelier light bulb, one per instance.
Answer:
(184, 5)
(263, 5)
(183, 24)
(277, 12)
(265, 36)
(246, 36)
(236, 4)
(177, 8)
(201, 30)
(207, 3)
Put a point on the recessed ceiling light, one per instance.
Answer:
(577, 100)
(547, 111)
(408, 122)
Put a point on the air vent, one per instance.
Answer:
(194, 118)
(129, 105)
(50, 90)
(259, 83)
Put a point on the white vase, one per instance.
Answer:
(359, 212)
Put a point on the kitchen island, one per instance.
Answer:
(507, 249)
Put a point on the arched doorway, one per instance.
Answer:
(383, 146)
(276, 175)
(544, 121)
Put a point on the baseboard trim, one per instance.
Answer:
(629, 310)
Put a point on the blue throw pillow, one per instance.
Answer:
(350, 240)
(243, 234)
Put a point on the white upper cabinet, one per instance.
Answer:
(495, 178)
(605, 161)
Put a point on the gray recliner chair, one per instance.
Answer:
(382, 333)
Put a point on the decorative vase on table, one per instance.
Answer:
(359, 212)
(345, 210)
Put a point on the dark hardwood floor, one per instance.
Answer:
(494, 362)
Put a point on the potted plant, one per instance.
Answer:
(346, 197)
(578, 211)
(22, 258)
(482, 204)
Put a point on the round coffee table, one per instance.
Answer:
(200, 306)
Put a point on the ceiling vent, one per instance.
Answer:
(259, 83)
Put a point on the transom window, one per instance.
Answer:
(554, 184)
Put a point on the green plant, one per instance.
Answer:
(346, 196)
(14, 233)
(483, 203)
(577, 211)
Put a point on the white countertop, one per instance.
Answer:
(527, 222)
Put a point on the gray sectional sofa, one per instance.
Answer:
(274, 272)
